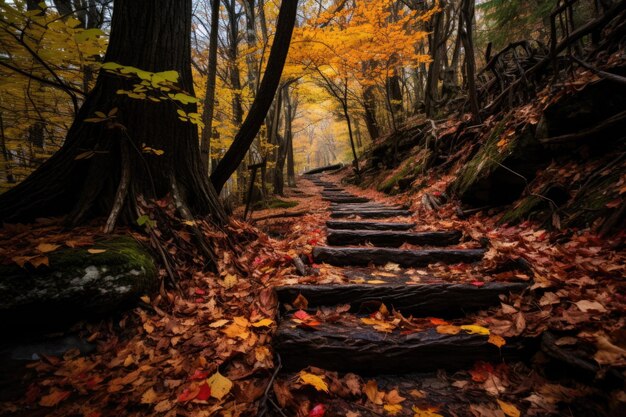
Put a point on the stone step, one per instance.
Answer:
(364, 206)
(392, 238)
(362, 349)
(346, 199)
(402, 257)
(370, 214)
(358, 225)
(438, 300)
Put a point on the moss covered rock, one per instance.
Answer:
(501, 169)
(77, 284)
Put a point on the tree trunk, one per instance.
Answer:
(264, 97)
(209, 98)
(81, 180)
(467, 15)
(369, 99)
(434, 69)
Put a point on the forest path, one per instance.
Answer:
(388, 323)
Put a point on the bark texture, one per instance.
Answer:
(82, 178)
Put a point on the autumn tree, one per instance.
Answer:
(122, 147)
(263, 100)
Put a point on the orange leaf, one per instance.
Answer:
(54, 398)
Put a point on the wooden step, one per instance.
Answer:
(358, 206)
(439, 300)
(346, 199)
(358, 225)
(362, 349)
(392, 238)
(403, 257)
(370, 214)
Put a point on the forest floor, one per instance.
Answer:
(211, 347)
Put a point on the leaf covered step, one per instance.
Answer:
(347, 199)
(371, 349)
(371, 214)
(419, 299)
(402, 257)
(358, 225)
(392, 238)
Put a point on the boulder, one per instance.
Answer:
(77, 284)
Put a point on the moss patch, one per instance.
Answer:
(78, 283)
(274, 203)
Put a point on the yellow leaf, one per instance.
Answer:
(494, 339)
(371, 390)
(235, 330)
(382, 326)
(149, 397)
(263, 323)
(220, 385)
(229, 281)
(47, 247)
(96, 251)
(392, 409)
(315, 381)
(218, 323)
(475, 329)
(376, 281)
(509, 409)
(419, 412)
(448, 329)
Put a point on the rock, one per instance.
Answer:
(501, 169)
(76, 284)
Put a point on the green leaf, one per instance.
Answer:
(111, 66)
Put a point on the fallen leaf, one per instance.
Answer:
(420, 412)
(588, 305)
(263, 323)
(393, 409)
(475, 329)
(96, 251)
(494, 339)
(204, 393)
(318, 411)
(300, 302)
(509, 409)
(371, 390)
(220, 385)
(149, 397)
(47, 247)
(218, 323)
(163, 406)
(54, 398)
(448, 329)
(393, 397)
(608, 353)
(314, 380)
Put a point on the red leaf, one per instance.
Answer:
(199, 300)
(481, 371)
(205, 392)
(301, 315)
(198, 374)
(318, 411)
(187, 395)
(200, 291)
(477, 283)
(437, 322)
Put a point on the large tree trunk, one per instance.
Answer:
(264, 97)
(85, 177)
